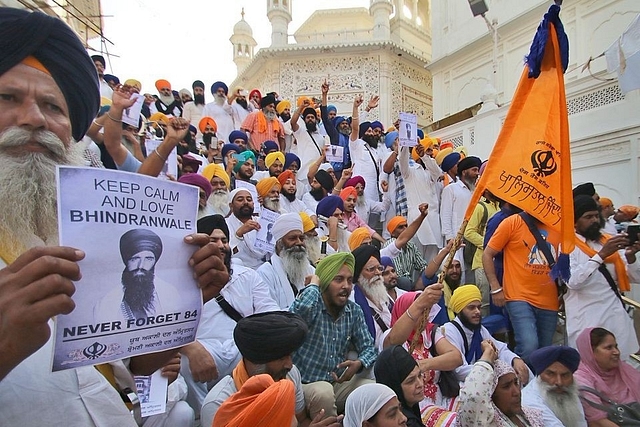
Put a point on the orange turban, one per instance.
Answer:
(260, 402)
(427, 142)
(284, 176)
(161, 84)
(357, 237)
(302, 99)
(395, 222)
(307, 223)
(214, 169)
(605, 202)
(348, 191)
(206, 120)
(266, 184)
(629, 211)
(446, 144)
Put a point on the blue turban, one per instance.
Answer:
(450, 161)
(327, 206)
(337, 120)
(387, 262)
(289, 158)
(364, 127)
(217, 85)
(193, 129)
(378, 125)
(390, 138)
(420, 134)
(245, 155)
(331, 108)
(543, 357)
(269, 146)
(58, 48)
(229, 147)
(111, 78)
(238, 134)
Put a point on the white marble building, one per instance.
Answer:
(381, 50)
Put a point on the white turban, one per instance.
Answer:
(233, 193)
(286, 223)
(365, 402)
(326, 167)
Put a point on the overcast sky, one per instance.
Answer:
(187, 40)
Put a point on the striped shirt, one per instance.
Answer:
(408, 260)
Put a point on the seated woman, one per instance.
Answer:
(373, 405)
(435, 409)
(601, 369)
(491, 395)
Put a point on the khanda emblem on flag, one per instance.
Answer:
(94, 351)
(543, 162)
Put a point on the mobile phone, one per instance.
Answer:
(632, 233)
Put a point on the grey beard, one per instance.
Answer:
(219, 99)
(28, 182)
(345, 131)
(295, 262)
(273, 204)
(270, 115)
(219, 202)
(167, 99)
(469, 183)
(566, 407)
(374, 289)
(313, 249)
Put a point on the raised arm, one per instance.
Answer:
(176, 131)
(334, 137)
(355, 120)
(113, 125)
(297, 113)
(408, 233)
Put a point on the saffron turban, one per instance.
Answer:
(284, 176)
(463, 296)
(377, 125)
(55, 49)
(264, 186)
(329, 267)
(395, 222)
(218, 85)
(260, 402)
(348, 191)
(159, 117)
(468, 163)
(133, 83)
(450, 161)
(301, 100)
(289, 159)
(162, 84)
(254, 92)
(237, 134)
(244, 157)
(327, 206)
(543, 357)
(307, 223)
(365, 402)
(606, 202)
(272, 157)
(357, 237)
(198, 181)
(285, 223)
(446, 144)
(390, 138)
(208, 223)
(353, 181)
(426, 143)
(325, 180)
(265, 337)
(283, 105)
(629, 211)
(215, 169)
(206, 120)
(138, 240)
(362, 255)
(229, 147)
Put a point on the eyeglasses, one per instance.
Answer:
(374, 269)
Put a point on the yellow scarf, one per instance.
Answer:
(614, 258)
(240, 375)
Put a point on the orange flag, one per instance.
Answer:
(530, 165)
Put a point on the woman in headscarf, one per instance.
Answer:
(435, 409)
(491, 397)
(601, 369)
(373, 405)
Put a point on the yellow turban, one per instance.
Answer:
(444, 152)
(272, 157)
(215, 169)
(133, 83)
(266, 184)
(462, 150)
(357, 237)
(159, 117)
(395, 222)
(427, 142)
(307, 223)
(302, 99)
(104, 101)
(463, 296)
(329, 267)
(283, 105)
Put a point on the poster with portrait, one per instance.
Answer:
(131, 115)
(408, 131)
(171, 165)
(152, 392)
(264, 236)
(137, 293)
(335, 153)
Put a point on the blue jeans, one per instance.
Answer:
(533, 327)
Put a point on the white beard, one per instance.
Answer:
(313, 249)
(343, 240)
(374, 290)
(273, 204)
(219, 202)
(295, 264)
(166, 99)
(270, 115)
(28, 188)
(219, 99)
(566, 407)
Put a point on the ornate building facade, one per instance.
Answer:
(381, 51)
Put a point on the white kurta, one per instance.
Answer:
(222, 114)
(273, 274)
(455, 199)
(239, 114)
(244, 249)
(310, 146)
(366, 163)
(532, 398)
(294, 207)
(590, 301)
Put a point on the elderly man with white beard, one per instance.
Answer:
(47, 101)
(553, 391)
(220, 110)
(219, 178)
(289, 265)
(370, 292)
(269, 191)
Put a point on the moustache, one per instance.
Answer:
(17, 137)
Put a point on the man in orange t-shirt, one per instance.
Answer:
(530, 295)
